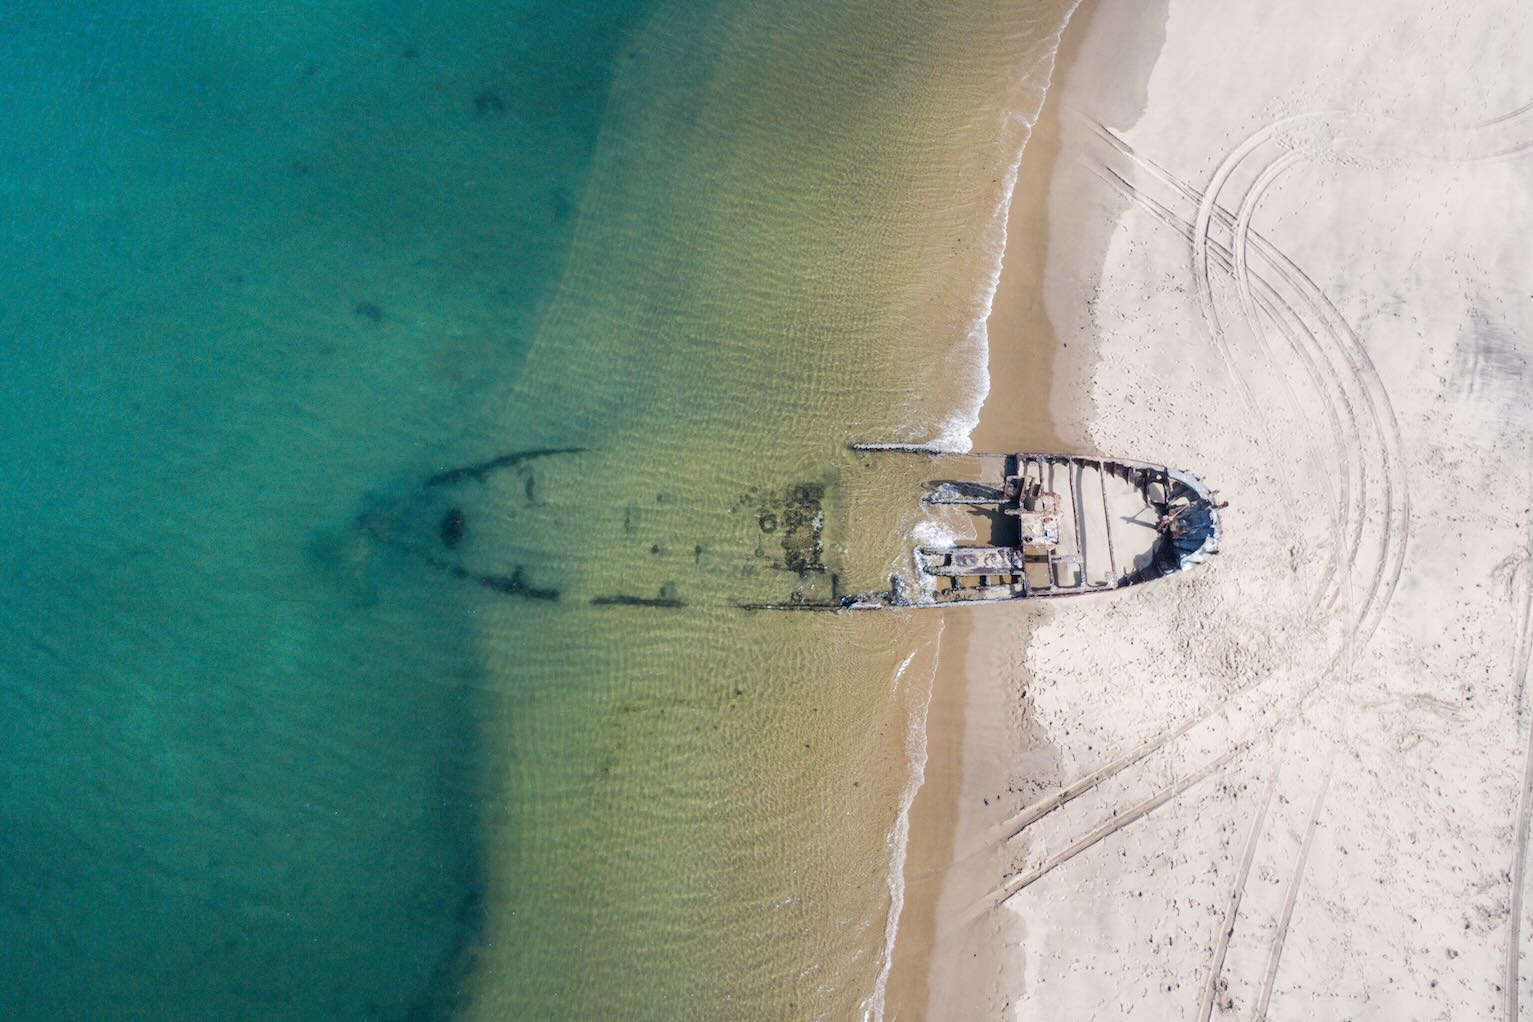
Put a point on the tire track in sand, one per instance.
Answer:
(1341, 502)
(1340, 349)
(1291, 897)
(1385, 577)
(1334, 407)
(1277, 308)
(1030, 815)
(1271, 301)
(1521, 655)
(1018, 823)
(1111, 826)
(1360, 368)
(1236, 260)
(1237, 893)
(1208, 203)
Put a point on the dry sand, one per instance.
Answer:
(1294, 782)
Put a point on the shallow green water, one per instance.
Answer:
(290, 723)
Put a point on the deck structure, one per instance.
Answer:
(1072, 525)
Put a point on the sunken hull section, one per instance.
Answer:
(1071, 526)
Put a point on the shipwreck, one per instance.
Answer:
(1051, 525)
(1059, 525)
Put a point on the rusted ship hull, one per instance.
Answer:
(1060, 525)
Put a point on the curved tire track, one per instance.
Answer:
(1326, 591)
(1344, 522)
(1278, 309)
(1358, 371)
(1344, 351)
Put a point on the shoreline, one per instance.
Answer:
(986, 755)
(1221, 803)
(798, 259)
(1021, 351)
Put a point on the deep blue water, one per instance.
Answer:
(257, 262)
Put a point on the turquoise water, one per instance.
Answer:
(258, 262)
(321, 696)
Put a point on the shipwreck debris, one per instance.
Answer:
(481, 470)
(667, 600)
(803, 526)
(512, 585)
(424, 525)
(1074, 525)
(1061, 525)
(795, 518)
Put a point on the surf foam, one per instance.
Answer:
(956, 433)
(898, 841)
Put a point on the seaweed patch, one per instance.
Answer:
(796, 520)
(803, 520)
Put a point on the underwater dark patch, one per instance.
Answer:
(480, 470)
(488, 103)
(452, 526)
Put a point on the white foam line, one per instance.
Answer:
(957, 432)
(898, 841)
(894, 686)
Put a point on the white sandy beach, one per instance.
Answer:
(1294, 782)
